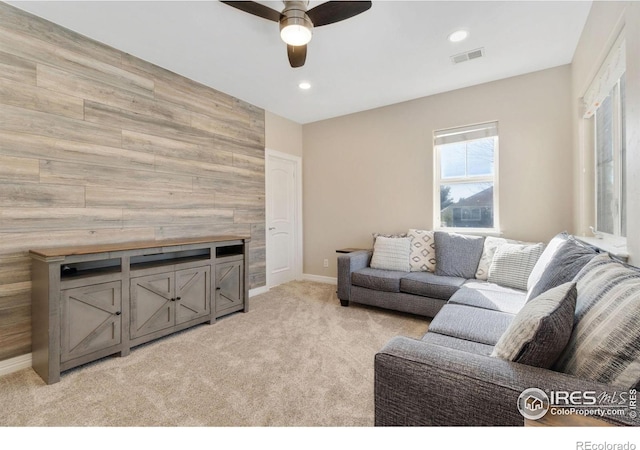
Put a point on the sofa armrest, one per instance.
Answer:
(422, 384)
(347, 264)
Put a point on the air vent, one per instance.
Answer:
(467, 56)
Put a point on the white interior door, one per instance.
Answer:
(284, 261)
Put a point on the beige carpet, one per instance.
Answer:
(297, 359)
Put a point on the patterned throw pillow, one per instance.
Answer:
(512, 264)
(605, 342)
(387, 235)
(391, 254)
(490, 246)
(540, 331)
(423, 251)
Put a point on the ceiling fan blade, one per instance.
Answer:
(332, 12)
(256, 9)
(297, 55)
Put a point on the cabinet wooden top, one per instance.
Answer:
(102, 248)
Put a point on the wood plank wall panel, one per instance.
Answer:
(98, 146)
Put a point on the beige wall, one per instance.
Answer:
(283, 135)
(373, 171)
(605, 22)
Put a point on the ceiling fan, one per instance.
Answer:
(297, 23)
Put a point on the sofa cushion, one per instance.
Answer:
(540, 331)
(457, 255)
(564, 265)
(472, 324)
(546, 256)
(391, 254)
(378, 279)
(512, 264)
(458, 344)
(605, 341)
(482, 294)
(430, 285)
(423, 251)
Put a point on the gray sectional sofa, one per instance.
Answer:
(462, 372)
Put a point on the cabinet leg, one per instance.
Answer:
(344, 302)
(125, 352)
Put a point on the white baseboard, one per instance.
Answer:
(257, 291)
(14, 364)
(319, 278)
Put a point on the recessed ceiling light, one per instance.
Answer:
(304, 85)
(458, 36)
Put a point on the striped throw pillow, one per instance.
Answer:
(391, 254)
(512, 264)
(605, 342)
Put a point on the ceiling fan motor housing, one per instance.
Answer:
(295, 14)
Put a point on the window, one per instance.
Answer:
(465, 177)
(605, 101)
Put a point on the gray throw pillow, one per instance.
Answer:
(457, 255)
(565, 264)
(541, 330)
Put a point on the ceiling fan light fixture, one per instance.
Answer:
(295, 34)
(295, 26)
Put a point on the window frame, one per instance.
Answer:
(439, 180)
(617, 124)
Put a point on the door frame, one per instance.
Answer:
(297, 227)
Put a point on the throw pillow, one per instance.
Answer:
(512, 264)
(540, 331)
(387, 235)
(391, 254)
(423, 251)
(457, 255)
(605, 341)
(565, 264)
(488, 251)
(544, 259)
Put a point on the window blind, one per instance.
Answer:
(610, 72)
(468, 133)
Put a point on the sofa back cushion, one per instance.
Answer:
(605, 341)
(391, 254)
(423, 251)
(546, 256)
(564, 265)
(512, 264)
(457, 255)
(541, 330)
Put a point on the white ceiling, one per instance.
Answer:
(396, 51)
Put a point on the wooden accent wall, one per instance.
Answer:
(97, 146)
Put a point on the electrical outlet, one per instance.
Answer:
(326, 263)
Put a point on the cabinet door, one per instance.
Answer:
(152, 303)
(229, 287)
(91, 319)
(193, 297)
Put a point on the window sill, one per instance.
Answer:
(614, 245)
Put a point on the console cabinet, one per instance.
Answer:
(93, 301)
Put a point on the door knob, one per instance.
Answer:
(272, 228)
